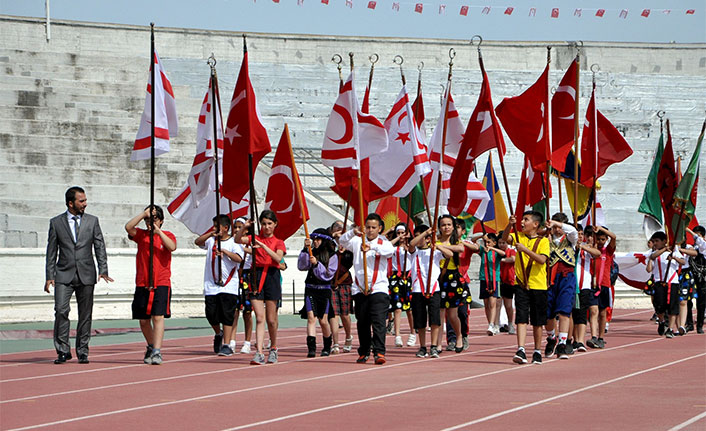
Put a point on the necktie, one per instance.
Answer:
(75, 218)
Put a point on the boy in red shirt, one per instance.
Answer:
(151, 302)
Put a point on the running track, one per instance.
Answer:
(639, 381)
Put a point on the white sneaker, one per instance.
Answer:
(496, 329)
(412, 340)
(246, 348)
(491, 330)
(398, 341)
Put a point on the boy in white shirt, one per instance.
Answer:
(370, 306)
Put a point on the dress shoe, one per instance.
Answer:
(63, 357)
(82, 359)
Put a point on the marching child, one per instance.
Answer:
(370, 306)
(400, 265)
(562, 288)
(220, 285)
(321, 266)
(531, 277)
(490, 279)
(507, 282)
(665, 273)
(266, 291)
(588, 297)
(605, 243)
(151, 304)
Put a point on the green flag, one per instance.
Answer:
(685, 195)
(651, 204)
(417, 197)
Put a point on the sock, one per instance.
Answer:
(562, 337)
(156, 351)
(550, 333)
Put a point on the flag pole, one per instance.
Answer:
(576, 137)
(297, 186)
(152, 160)
(548, 128)
(361, 210)
(452, 54)
(214, 107)
(420, 66)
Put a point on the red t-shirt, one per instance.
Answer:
(507, 270)
(261, 256)
(162, 259)
(603, 263)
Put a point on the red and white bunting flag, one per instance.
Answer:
(419, 7)
(486, 10)
(526, 121)
(454, 137)
(645, 13)
(165, 124)
(578, 12)
(623, 14)
(281, 196)
(350, 134)
(531, 191)
(555, 12)
(563, 109)
(372, 4)
(509, 10)
(532, 11)
(600, 13)
(483, 133)
(244, 135)
(464, 11)
(396, 171)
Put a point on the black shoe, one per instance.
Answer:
(311, 346)
(520, 357)
(62, 357)
(83, 359)
(661, 328)
(537, 358)
(551, 345)
(217, 342)
(561, 351)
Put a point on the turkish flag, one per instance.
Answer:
(245, 135)
(526, 121)
(601, 145)
(282, 193)
(482, 134)
(563, 117)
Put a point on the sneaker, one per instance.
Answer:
(504, 328)
(491, 330)
(668, 333)
(412, 340)
(335, 350)
(520, 357)
(156, 359)
(451, 346)
(362, 359)
(434, 352)
(422, 353)
(682, 330)
(537, 358)
(246, 348)
(398, 341)
(217, 342)
(569, 348)
(148, 355)
(580, 347)
(601, 343)
(258, 359)
(511, 329)
(465, 343)
(225, 351)
(561, 351)
(593, 343)
(272, 357)
(661, 328)
(551, 345)
(349, 344)
(380, 359)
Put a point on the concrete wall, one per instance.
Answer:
(71, 107)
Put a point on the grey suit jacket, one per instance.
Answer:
(77, 256)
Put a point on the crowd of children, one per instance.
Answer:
(560, 279)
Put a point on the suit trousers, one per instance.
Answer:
(62, 306)
(370, 314)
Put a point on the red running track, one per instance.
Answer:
(639, 381)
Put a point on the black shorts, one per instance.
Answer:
(487, 291)
(426, 310)
(580, 314)
(271, 287)
(318, 301)
(156, 302)
(531, 306)
(507, 290)
(221, 308)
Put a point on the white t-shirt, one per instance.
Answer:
(659, 267)
(420, 270)
(398, 260)
(229, 268)
(376, 258)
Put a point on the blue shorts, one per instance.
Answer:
(561, 295)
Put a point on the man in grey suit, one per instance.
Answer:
(73, 236)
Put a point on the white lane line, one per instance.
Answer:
(574, 392)
(689, 422)
(273, 385)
